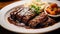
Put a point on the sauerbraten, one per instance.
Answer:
(32, 16)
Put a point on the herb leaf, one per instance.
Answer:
(35, 8)
(38, 0)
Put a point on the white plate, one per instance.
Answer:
(4, 23)
(50, 14)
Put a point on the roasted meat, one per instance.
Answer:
(14, 12)
(38, 19)
(28, 15)
(49, 22)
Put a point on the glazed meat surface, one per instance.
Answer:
(28, 15)
(14, 12)
(49, 22)
(38, 19)
(25, 15)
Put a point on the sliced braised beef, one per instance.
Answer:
(28, 15)
(49, 22)
(14, 12)
(38, 19)
(25, 17)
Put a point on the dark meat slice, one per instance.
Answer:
(14, 11)
(18, 17)
(28, 15)
(49, 22)
(38, 19)
(20, 14)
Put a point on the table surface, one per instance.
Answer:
(4, 31)
(4, 3)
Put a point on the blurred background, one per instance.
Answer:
(3, 3)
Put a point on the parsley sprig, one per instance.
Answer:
(35, 8)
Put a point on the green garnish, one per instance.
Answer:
(38, 0)
(35, 8)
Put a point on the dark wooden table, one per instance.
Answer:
(4, 31)
(4, 3)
